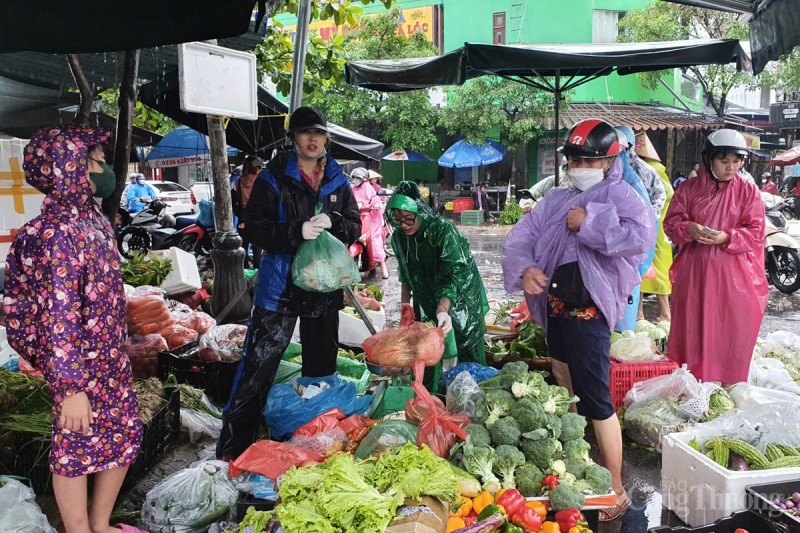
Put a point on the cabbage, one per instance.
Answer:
(644, 334)
(664, 326)
(628, 334)
(633, 349)
(615, 336)
(658, 334)
(644, 325)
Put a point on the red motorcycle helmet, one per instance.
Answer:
(591, 139)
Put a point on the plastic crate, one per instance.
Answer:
(248, 500)
(748, 520)
(214, 377)
(472, 218)
(624, 375)
(759, 500)
(347, 368)
(462, 204)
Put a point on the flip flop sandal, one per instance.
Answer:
(129, 529)
(610, 513)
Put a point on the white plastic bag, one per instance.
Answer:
(747, 396)
(19, 512)
(198, 424)
(190, 500)
(634, 349)
(772, 374)
(463, 395)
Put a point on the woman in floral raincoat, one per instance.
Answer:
(65, 310)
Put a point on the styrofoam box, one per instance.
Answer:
(352, 330)
(184, 276)
(699, 490)
(6, 351)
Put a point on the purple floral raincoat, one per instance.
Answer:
(612, 242)
(65, 305)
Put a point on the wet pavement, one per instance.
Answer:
(642, 469)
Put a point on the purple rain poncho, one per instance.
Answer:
(65, 305)
(612, 242)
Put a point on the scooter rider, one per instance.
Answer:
(139, 194)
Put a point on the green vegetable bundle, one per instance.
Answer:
(145, 269)
(531, 343)
(511, 213)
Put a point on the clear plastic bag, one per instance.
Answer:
(324, 265)
(747, 396)
(190, 500)
(223, 343)
(325, 443)
(177, 335)
(647, 421)
(463, 395)
(634, 349)
(385, 436)
(143, 353)
(198, 424)
(19, 512)
(772, 374)
(147, 311)
(198, 321)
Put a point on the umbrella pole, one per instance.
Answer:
(404, 170)
(557, 95)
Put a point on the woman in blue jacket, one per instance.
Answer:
(280, 217)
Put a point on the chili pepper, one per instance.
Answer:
(549, 483)
(527, 518)
(512, 500)
(454, 523)
(550, 527)
(511, 528)
(490, 510)
(462, 507)
(539, 507)
(568, 518)
(480, 501)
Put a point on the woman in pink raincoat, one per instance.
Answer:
(368, 200)
(719, 287)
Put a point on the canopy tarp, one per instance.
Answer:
(182, 146)
(774, 25)
(254, 136)
(789, 157)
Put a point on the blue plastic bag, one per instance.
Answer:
(286, 410)
(479, 373)
(206, 215)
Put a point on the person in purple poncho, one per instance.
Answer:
(576, 256)
(65, 314)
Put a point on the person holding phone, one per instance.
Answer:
(719, 286)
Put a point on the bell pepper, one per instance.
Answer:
(568, 518)
(462, 507)
(454, 523)
(511, 528)
(550, 527)
(480, 501)
(490, 510)
(549, 483)
(512, 501)
(539, 507)
(470, 519)
(527, 519)
(581, 529)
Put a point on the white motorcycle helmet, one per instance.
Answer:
(726, 141)
(361, 174)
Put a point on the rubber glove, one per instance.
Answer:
(311, 230)
(445, 322)
(322, 220)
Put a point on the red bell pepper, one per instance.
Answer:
(527, 519)
(511, 500)
(568, 518)
(549, 483)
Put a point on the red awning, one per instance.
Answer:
(639, 116)
(789, 157)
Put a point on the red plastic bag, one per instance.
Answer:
(319, 424)
(352, 424)
(143, 353)
(402, 345)
(26, 368)
(441, 427)
(417, 408)
(520, 314)
(270, 458)
(407, 316)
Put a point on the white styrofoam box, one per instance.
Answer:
(6, 351)
(184, 276)
(699, 490)
(352, 330)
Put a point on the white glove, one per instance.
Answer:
(322, 220)
(311, 230)
(445, 322)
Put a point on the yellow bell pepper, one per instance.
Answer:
(480, 501)
(580, 529)
(498, 494)
(550, 527)
(454, 523)
(539, 507)
(462, 507)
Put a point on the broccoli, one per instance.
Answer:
(552, 424)
(566, 496)
(529, 414)
(478, 435)
(556, 400)
(508, 459)
(557, 468)
(541, 451)
(529, 480)
(577, 449)
(516, 368)
(496, 404)
(573, 426)
(531, 384)
(479, 461)
(598, 479)
(505, 431)
(510, 373)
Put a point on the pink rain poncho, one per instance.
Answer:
(367, 198)
(618, 231)
(719, 292)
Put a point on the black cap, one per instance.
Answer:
(306, 118)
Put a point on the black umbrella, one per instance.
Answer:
(553, 68)
(254, 136)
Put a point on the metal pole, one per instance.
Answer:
(557, 96)
(299, 60)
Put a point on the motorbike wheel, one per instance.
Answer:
(783, 267)
(187, 243)
(130, 241)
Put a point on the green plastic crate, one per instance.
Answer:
(287, 370)
(348, 369)
(472, 218)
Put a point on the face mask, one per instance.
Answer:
(104, 182)
(584, 178)
(357, 182)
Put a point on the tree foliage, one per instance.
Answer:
(662, 21)
(143, 116)
(784, 75)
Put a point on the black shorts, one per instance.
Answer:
(584, 346)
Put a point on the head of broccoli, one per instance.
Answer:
(598, 479)
(505, 431)
(529, 385)
(573, 426)
(496, 404)
(529, 414)
(539, 450)
(508, 459)
(529, 480)
(479, 461)
(552, 424)
(566, 496)
(556, 400)
(478, 435)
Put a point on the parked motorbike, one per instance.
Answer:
(525, 199)
(152, 228)
(782, 250)
(360, 250)
(190, 225)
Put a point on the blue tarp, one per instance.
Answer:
(182, 142)
(463, 154)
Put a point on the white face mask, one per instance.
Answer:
(584, 178)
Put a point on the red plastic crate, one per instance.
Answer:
(462, 204)
(624, 375)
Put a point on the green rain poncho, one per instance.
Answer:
(435, 262)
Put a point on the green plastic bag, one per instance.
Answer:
(324, 265)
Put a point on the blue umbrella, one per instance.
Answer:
(181, 146)
(404, 155)
(463, 154)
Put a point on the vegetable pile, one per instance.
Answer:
(736, 454)
(145, 269)
(523, 437)
(511, 213)
(531, 343)
(634, 345)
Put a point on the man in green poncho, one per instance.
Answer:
(435, 266)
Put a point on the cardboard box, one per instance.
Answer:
(431, 519)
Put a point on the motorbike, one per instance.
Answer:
(360, 250)
(782, 250)
(153, 228)
(525, 199)
(190, 225)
